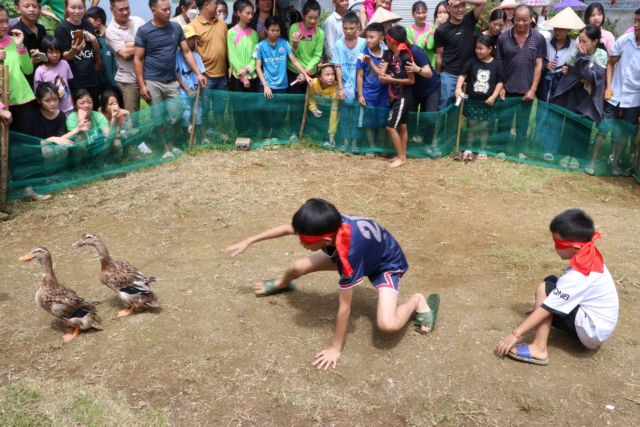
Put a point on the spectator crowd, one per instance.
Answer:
(87, 77)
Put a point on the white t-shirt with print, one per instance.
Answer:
(597, 300)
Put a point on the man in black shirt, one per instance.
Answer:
(455, 41)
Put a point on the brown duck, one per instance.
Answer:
(62, 302)
(124, 279)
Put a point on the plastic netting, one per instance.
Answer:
(536, 133)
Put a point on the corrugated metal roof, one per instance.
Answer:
(403, 8)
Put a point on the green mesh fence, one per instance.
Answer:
(536, 133)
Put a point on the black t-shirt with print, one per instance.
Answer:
(458, 42)
(482, 77)
(396, 70)
(83, 65)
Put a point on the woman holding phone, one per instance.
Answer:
(80, 48)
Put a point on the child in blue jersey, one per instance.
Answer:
(372, 94)
(355, 247)
(188, 81)
(345, 56)
(271, 64)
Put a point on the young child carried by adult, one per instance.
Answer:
(326, 86)
(583, 302)
(484, 76)
(345, 56)
(372, 94)
(55, 71)
(271, 56)
(188, 81)
(356, 248)
(392, 72)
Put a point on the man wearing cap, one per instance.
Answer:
(455, 40)
(120, 35)
(522, 51)
(622, 91)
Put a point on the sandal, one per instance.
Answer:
(468, 156)
(481, 156)
(270, 288)
(458, 156)
(428, 318)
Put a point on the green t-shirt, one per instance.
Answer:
(425, 39)
(309, 50)
(97, 119)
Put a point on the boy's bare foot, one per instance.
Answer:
(397, 163)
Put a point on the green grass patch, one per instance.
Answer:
(61, 403)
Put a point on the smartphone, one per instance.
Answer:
(78, 35)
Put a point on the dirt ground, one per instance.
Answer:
(216, 355)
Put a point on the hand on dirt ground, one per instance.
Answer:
(505, 344)
(236, 248)
(326, 358)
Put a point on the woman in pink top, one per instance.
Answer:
(594, 15)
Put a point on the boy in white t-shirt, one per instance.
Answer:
(583, 302)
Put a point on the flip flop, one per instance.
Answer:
(428, 318)
(523, 354)
(270, 288)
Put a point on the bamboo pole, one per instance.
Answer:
(192, 134)
(457, 151)
(274, 8)
(636, 160)
(4, 141)
(305, 112)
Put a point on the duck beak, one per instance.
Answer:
(78, 244)
(26, 257)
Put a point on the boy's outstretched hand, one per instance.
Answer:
(236, 248)
(506, 344)
(326, 358)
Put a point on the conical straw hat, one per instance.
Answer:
(384, 16)
(566, 19)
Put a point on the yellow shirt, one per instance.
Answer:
(316, 89)
(211, 44)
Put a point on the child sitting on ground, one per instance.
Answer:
(372, 94)
(326, 86)
(485, 83)
(583, 302)
(392, 72)
(355, 247)
(55, 71)
(345, 55)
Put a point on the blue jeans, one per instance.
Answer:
(447, 89)
(216, 103)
